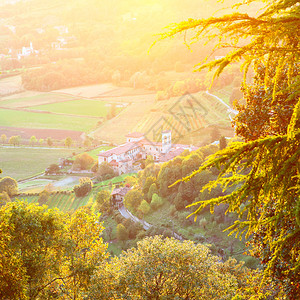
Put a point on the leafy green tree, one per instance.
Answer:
(152, 190)
(122, 233)
(149, 181)
(105, 171)
(265, 169)
(156, 202)
(168, 269)
(15, 140)
(68, 142)
(144, 207)
(133, 199)
(33, 140)
(47, 254)
(41, 142)
(84, 187)
(53, 169)
(49, 142)
(4, 198)
(8, 185)
(43, 197)
(103, 200)
(83, 161)
(3, 138)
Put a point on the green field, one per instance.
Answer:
(34, 100)
(15, 118)
(22, 162)
(78, 107)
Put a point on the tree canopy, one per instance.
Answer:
(265, 168)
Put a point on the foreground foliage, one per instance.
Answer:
(265, 169)
(168, 269)
(46, 254)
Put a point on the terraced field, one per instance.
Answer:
(183, 116)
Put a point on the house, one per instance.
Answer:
(117, 196)
(137, 147)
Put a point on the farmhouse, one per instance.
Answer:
(117, 196)
(137, 147)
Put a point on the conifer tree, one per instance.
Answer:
(265, 169)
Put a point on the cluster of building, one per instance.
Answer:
(138, 147)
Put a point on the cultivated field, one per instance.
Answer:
(35, 99)
(21, 162)
(11, 85)
(19, 118)
(102, 90)
(115, 129)
(78, 107)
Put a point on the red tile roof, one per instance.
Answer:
(121, 191)
(119, 150)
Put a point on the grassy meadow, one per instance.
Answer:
(21, 162)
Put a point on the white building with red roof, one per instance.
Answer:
(137, 147)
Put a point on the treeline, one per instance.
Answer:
(47, 254)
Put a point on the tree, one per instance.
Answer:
(144, 207)
(3, 138)
(43, 197)
(168, 269)
(156, 202)
(47, 254)
(133, 199)
(33, 140)
(9, 185)
(152, 190)
(149, 181)
(103, 200)
(41, 142)
(264, 170)
(68, 142)
(122, 233)
(84, 187)
(15, 140)
(53, 169)
(49, 142)
(83, 162)
(4, 198)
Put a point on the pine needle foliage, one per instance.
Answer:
(264, 170)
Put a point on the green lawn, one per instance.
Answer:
(15, 118)
(78, 107)
(23, 162)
